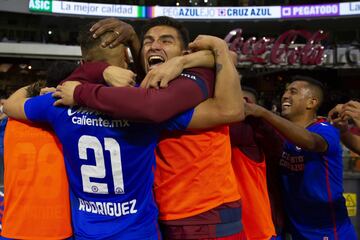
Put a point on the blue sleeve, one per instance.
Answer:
(180, 122)
(40, 108)
(330, 134)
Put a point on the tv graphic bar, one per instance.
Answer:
(196, 13)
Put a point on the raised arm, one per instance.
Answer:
(227, 105)
(292, 132)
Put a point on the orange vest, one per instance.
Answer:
(36, 197)
(194, 173)
(256, 211)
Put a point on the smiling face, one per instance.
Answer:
(160, 44)
(296, 100)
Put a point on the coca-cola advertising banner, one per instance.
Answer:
(281, 50)
(293, 48)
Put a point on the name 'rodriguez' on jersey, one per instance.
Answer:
(109, 164)
(108, 208)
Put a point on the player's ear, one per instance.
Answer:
(311, 103)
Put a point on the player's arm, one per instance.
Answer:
(227, 105)
(89, 72)
(139, 104)
(264, 132)
(294, 133)
(147, 105)
(351, 141)
(169, 70)
(14, 105)
(268, 139)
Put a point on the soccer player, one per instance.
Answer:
(340, 116)
(250, 159)
(195, 185)
(311, 164)
(36, 187)
(110, 162)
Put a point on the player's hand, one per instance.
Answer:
(160, 76)
(46, 90)
(335, 112)
(123, 32)
(65, 93)
(336, 120)
(206, 42)
(252, 109)
(119, 77)
(351, 110)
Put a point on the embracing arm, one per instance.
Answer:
(14, 105)
(294, 133)
(203, 58)
(168, 71)
(149, 105)
(89, 72)
(227, 106)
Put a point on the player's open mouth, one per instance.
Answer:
(155, 60)
(286, 105)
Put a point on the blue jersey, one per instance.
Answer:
(313, 189)
(110, 167)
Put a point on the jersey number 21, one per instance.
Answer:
(98, 171)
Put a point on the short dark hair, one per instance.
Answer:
(315, 84)
(250, 90)
(86, 40)
(33, 90)
(170, 22)
(309, 80)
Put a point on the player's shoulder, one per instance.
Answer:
(44, 98)
(42, 103)
(325, 129)
(322, 123)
